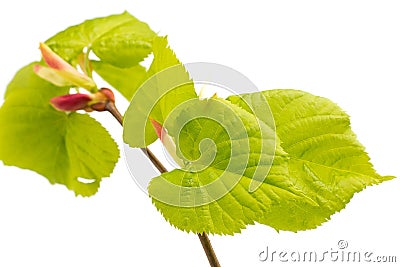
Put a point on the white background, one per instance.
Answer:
(348, 51)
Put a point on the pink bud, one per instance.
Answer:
(60, 72)
(167, 141)
(109, 95)
(53, 60)
(157, 127)
(51, 75)
(97, 101)
(100, 99)
(71, 102)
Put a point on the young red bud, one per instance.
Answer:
(108, 94)
(101, 98)
(97, 101)
(72, 102)
(157, 128)
(60, 72)
(166, 140)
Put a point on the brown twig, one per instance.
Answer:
(205, 241)
(110, 107)
(208, 249)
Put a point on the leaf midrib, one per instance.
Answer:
(331, 167)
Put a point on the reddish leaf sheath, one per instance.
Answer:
(158, 128)
(71, 102)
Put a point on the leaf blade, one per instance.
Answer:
(62, 147)
(125, 80)
(326, 160)
(167, 85)
(325, 166)
(120, 40)
(207, 187)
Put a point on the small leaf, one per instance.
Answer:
(62, 147)
(120, 40)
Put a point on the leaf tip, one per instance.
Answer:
(52, 59)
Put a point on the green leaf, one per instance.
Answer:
(326, 163)
(167, 86)
(317, 168)
(125, 80)
(225, 149)
(120, 40)
(65, 148)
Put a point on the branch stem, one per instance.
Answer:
(110, 107)
(203, 237)
(208, 249)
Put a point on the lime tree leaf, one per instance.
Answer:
(225, 148)
(326, 162)
(70, 149)
(120, 40)
(167, 85)
(125, 80)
